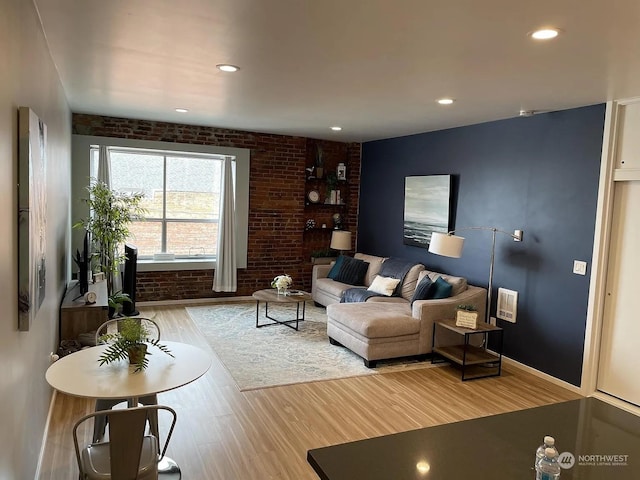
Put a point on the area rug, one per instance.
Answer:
(278, 355)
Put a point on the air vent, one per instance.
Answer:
(507, 305)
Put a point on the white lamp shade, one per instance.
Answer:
(341, 240)
(446, 245)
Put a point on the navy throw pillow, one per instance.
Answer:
(423, 290)
(352, 271)
(336, 267)
(442, 288)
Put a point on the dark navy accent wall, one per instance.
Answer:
(538, 174)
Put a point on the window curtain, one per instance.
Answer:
(225, 275)
(104, 165)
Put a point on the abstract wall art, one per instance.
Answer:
(427, 202)
(32, 221)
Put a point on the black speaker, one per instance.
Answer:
(129, 279)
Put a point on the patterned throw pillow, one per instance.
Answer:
(351, 270)
(423, 290)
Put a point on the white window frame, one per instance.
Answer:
(81, 157)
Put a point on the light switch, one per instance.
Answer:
(579, 267)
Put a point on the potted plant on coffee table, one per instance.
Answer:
(130, 342)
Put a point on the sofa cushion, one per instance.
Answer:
(350, 270)
(331, 287)
(375, 263)
(423, 290)
(375, 321)
(410, 281)
(442, 289)
(384, 285)
(459, 284)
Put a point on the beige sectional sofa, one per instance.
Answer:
(390, 327)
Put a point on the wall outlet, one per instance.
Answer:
(579, 267)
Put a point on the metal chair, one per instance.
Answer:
(129, 454)
(111, 326)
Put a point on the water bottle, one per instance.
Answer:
(549, 442)
(548, 467)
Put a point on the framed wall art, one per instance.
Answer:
(32, 223)
(427, 204)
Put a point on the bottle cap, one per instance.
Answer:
(549, 452)
(548, 440)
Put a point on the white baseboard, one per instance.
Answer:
(616, 402)
(194, 301)
(545, 376)
(45, 434)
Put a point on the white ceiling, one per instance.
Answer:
(374, 67)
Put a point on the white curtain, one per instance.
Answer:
(225, 276)
(104, 165)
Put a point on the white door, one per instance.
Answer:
(619, 368)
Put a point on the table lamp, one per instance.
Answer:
(341, 240)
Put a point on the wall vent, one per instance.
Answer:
(507, 305)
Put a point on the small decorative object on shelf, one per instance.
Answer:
(311, 224)
(282, 283)
(341, 171)
(337, 221)
(467, 316)
(313, 196)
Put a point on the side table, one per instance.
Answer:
(483, 363)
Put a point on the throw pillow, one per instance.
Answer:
(352, 271)
(333, 273)
(442, 288)
(384, 285)
(423, 290)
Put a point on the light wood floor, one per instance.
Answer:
(226, 434)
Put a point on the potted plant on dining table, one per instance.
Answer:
(130, 342)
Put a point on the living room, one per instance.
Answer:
(540, 174)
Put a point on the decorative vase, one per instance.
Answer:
(136, 353)
(282, 290)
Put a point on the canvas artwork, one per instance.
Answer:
(32, 204)
(426, 208)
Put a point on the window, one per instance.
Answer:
(181, 183)
(181, 196)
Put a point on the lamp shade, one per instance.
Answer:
(446, 245)
(341, 240)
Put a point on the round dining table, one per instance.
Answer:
(81, 375)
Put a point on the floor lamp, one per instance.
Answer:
(450, 245)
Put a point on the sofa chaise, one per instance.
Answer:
(386, 327)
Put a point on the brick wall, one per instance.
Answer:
(277, 213)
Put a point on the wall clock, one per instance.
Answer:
(313, 196)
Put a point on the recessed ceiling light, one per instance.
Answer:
(545, 33)
(336, 128)
(227, 68)
(445, 101)
(181, 110)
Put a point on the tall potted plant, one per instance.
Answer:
(111, 214)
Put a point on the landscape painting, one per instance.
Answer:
(426, 208)
(32, 204)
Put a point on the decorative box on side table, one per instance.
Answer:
(479, 359)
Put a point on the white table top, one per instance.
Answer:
(79, 374)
